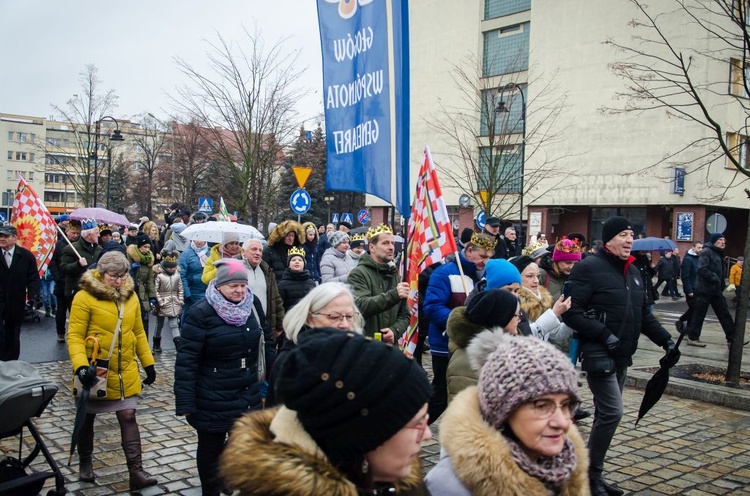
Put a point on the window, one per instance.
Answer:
(10, 135)
(22, 137)
(498, 123)
(31, 156)
(506, 50)
(8, 197)
(738, 79)
(9, 175)
(53, 141)
(738, 146)
(21, 156)
(32, 138)
(10, 155)
(505, 175)
(31, 175)
(500, 8)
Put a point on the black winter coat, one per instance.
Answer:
(689, 272)
(293, 286)
(70, 267)
(312, 261)
(665, 268)
(710, 279)
(212, 387)
(609, 298)
(54, 267)
(18, 282)
(643, 264)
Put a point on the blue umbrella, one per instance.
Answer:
(653, 244)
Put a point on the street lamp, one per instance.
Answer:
(501, 107)
(329, 200)
(116, 136)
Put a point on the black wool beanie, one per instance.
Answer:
(492, 308)
(522, 262)
(614, 226)
(142, 239)
(350, 393)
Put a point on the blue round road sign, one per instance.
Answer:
(480, 219)
(363, 216)
(300, 202)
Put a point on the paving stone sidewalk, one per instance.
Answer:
(682, 446)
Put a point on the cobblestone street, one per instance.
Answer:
(681, 447)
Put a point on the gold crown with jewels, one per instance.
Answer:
(378, 230)
(294, 250)
(356, 237)
(483, 241)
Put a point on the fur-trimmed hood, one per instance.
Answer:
(91, 281)
(480, 455)
(460, 329)
(534, 307)
(269, 453)
(304, 231)
(280, 231)
(134, 254)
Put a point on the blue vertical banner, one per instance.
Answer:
(365, 46)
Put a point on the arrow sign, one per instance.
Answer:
(300, 202)
(301, 174)
(480, 219)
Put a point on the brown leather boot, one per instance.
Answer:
(131, 445)
(86, 450)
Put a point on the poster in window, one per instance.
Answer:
(684, 226)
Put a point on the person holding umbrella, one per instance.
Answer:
(107, 292)
(219, 372)
(608, 313)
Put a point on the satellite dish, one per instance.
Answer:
(716, 223)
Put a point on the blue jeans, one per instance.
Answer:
(48, 294)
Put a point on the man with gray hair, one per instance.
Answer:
(262, 282)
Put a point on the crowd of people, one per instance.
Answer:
(287, 355)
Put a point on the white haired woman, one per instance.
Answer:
(329, 305)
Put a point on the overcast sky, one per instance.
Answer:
(47, 44)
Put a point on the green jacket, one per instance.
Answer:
(374, 288)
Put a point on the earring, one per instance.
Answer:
(365, 466)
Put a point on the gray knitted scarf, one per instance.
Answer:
(231, 313)
(553, 471)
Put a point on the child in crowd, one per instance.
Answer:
(169, 297)
(296, 281)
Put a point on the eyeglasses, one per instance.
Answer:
(338, 317)
(545, 408)
(518, 315)
(421, 426)
(116, 277)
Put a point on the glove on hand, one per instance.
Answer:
(150, 375)
(612, 343)
(85, 376)
(134, 266)
(152, 302)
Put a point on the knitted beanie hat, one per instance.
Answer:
(351, 393)
(142, 239)
(567, 250)
(492, 308)
(521, 262)
(229, 270)
(614, 226)
(519, 370)
(178, 227)
(716, 237)
(499, 272)
(337, 237)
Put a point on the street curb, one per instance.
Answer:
(693, 390)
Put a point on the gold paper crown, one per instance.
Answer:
(171, 258)
(105, 228)
(294, 250)
(377, 231)
(532, 248)
(483, 241)
(356, 237)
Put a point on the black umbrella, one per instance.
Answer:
(83, 401)
(658, 383)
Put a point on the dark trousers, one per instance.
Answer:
(685, 317)
(210, 446)
(607, 391)
(10, 340)
(419, 349)
(63, 306)
(670, 288)
(439, 401)
(701, 302)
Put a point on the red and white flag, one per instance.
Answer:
(430, 240)
(37, 231)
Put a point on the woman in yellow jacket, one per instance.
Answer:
(735, 277)
(229, 248)
(105, 292)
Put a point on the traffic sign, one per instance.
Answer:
(363, 216)
(334, 218)
(205, 205)
(480, 219)
(3, 218)
(300, 202)
(301, 174)
(347, 218)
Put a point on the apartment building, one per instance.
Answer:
(20, 139)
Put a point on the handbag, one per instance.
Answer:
(99, 389)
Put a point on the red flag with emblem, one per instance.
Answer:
(36, 228)
(430, 240)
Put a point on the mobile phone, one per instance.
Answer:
(567, 288)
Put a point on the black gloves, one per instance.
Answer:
(86, 377)
(150, 375)
(612, 343)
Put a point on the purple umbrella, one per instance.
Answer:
(100, 215)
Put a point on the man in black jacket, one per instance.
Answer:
(73, 232)
(609, 313)
(19, 279)
(709, 290)
(689, 270)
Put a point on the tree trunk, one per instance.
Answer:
(734, 367)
